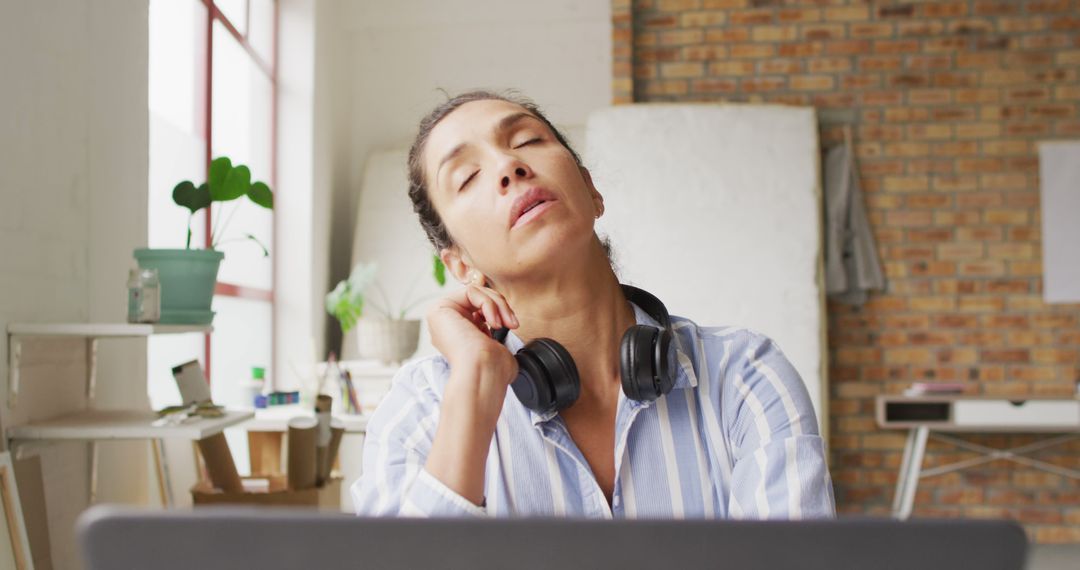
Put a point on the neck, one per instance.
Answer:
(582, 306)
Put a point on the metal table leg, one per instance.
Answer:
(906, 498)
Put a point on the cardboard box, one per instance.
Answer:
(325, 498)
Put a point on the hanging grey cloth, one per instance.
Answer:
(852, 268)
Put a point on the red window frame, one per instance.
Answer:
(269, 68)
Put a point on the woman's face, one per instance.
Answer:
(512, 197)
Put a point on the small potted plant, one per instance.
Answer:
(188, 276)
(388, 337)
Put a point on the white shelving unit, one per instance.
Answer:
(99, 425)
(92, 425)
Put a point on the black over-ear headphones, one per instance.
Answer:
(548, 379)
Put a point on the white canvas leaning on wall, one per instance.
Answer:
(716, 210)
(1059, 190)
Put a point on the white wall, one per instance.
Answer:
(73, 171)
(393, 57)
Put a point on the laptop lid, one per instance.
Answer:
(219, 538)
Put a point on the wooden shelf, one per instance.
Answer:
(101, 330)
(93, 425)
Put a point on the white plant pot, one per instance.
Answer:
(388, 340)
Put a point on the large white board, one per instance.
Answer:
(716, 209)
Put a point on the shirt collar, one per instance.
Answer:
(685, 377)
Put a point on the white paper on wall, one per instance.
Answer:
(716, 210)
(1059, 175)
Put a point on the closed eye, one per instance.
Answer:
(530, 141)
(469, 179)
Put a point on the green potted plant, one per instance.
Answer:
(188, 276)
(388, 336)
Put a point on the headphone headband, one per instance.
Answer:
(648, 303)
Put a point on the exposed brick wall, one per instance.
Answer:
(949, 99)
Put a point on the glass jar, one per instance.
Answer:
(144, 296)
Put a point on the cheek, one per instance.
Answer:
(474, 222)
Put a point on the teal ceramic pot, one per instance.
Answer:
(187, 278)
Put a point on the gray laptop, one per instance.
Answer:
(209, 539)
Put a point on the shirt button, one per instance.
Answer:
(615, 501)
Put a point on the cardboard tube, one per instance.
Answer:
(322, 438)
(326, 465)
(302, 466)
(219, 464)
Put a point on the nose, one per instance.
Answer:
(514, 169)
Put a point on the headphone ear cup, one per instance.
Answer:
(664, 363)
(549, 378)
(637, 364)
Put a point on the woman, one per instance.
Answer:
(511, 209)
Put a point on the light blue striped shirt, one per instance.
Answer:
(735, 438)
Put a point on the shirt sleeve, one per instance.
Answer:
(396, 445)
(778, 454)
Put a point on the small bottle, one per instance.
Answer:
(135, 296)
(144, 296)
(252, 388)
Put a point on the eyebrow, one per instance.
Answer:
(503, 124)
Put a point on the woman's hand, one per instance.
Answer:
(459, 325)
(481, 369)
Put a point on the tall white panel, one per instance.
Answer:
(716, 210)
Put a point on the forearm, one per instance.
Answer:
(468, 413)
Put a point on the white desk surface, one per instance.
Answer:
(276, 418)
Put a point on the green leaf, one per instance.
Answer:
(185, 194)
(260, 194)
(219, 171)
(362, 277)
(202, 196)
(440, 270)
(266, 252)
(236, 185)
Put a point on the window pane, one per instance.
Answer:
(242, 120)
(177, 69)
(177, 62)
(261, 34)
(241, 339)
(236, 12)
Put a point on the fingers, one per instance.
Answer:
(472, 301)
(507, 318)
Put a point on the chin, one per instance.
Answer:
(550, 247)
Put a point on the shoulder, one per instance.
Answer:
(718, 350)
(426, 374)
(416, 390)
(747, 372)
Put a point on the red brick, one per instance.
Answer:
(874, 30)
(713, 86)
(850, 47)
(752, 50)
(750, 17)
(703, 19)
(943, 10)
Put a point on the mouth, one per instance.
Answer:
(532, 201)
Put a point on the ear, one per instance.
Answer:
(451, 258)
(597, 198)
(459, 265)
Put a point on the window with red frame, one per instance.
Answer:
(212, 93)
